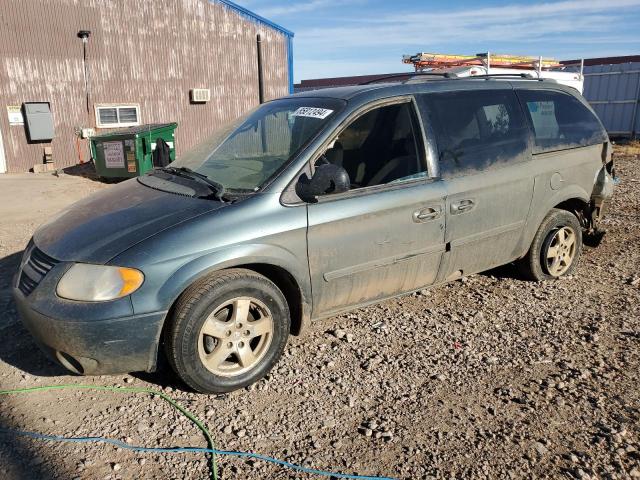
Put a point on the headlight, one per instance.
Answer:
(98, 283)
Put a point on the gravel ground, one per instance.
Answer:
(488, 377)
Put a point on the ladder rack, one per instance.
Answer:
(423, 61)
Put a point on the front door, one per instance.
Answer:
(386, 235)
(483, 144)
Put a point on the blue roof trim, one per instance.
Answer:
(254, 16)
(290, 63)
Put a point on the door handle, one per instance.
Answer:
(462, 206)
(427, 214)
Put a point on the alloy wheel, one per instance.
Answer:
(560, 251)
(236, 336)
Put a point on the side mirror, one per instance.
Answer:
(327, 179)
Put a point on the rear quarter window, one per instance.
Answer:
(476, 130)
(560, 121)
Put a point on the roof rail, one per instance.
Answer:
(412, 75)
(526, 76)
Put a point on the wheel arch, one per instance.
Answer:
(578, 206)
(569, 198)
(284, 272)
(288, 285)
(536, 264)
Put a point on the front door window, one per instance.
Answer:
(379, 147)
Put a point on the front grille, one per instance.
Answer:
(34, 270)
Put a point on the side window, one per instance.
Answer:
(476, 130)
(560, 121)
(380, 147)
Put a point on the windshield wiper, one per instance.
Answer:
(185, 172)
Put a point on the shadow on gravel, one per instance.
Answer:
(84, 170)
(163, 377)
(8, 267)
(17, 348)
(88, 170)
(504, 272)
(21, 458)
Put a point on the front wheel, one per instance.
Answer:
(555, 249)
(227, 331)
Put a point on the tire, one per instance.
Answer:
(227, 331)
(541, 262)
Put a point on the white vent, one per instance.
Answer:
(200, 95)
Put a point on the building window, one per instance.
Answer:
(117, 115)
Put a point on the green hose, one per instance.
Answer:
(213, 466)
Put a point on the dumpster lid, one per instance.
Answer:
(130, 131)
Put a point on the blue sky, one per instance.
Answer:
(357, 37)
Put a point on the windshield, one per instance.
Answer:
(246, 153)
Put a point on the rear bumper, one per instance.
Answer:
(601, 196)
(95, 347)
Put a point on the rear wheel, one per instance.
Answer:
(555, 249)
(227, 331)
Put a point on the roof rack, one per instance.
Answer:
(422, 61)
(488, 65)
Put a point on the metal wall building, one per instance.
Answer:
(613, 90)
(142, 59)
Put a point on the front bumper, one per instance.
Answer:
(89, 338)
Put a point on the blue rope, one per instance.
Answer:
(118, 443)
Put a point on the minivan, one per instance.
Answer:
(309, 206)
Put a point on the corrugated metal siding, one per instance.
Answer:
(149, 52)
(613, 91)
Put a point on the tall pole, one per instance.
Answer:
(263, 129)
(84, 36)
(260, 72)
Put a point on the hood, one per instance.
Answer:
(103, 225)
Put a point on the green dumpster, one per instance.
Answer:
(128, 152)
